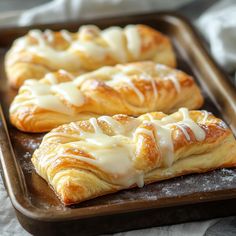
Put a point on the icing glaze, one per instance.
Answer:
(115, 154)
(69, 92)
(133, 40)
(66, 35)
(114, 124)
(114, 37)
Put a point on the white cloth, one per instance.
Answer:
(218, 25)
(61, 10)
(9, 224)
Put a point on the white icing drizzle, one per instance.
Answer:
(112, 154)
(140, 179)
(37, 34)
(165, 143)
(129, 69)
(115, 125)
(57, 59)
(90, 49)
(167, 120)
(50, 35)
(115, 154)
(160, 67)
(136, 90)
(144, 131)
(52, 103)
(66, 35)
(51, 78)
(133, 40)
(206, 114)
(115, 39)
(36, 88)
(70, 92)
(165, 73)
(199, 133)
(120, 77)
(105, 70)
(63, 72)
(118, 40)
(116, 161)
(181, 126)
(88, 29)
(15, 106)
(95, 125)
(74, 126)
(20, 44)
(175, 81)
(41, 94)
(153, 82)
(163, 133)
(150, 117)
(79, 80)
(99, 138)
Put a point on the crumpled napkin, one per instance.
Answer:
(218, 26)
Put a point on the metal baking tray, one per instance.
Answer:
(186, 198)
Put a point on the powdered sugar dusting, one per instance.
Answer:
(26, 163)
(197, 183)
(213, 181)
(182, 186)
(32, 143)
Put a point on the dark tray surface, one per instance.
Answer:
(40, 202)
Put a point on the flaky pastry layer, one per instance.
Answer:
(38, 53)
(131, 89)
(87, 159)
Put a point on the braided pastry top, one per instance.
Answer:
(90, 48)
(85, 159)
(131, 89)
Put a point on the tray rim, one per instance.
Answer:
(81, 213)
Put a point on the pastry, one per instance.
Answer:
(86, 159)
(38, 53)
(131, 89)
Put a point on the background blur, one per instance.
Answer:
(190, 8)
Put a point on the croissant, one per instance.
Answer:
(86, 159)
(38, 53)
(131, 89)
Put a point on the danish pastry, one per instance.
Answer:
(38, 53)
(131, 89)
(87, 159)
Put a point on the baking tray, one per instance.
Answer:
(187, 198)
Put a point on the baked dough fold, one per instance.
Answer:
(86, 159)
(37, 53)
(131, 89)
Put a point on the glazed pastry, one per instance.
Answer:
(87, 159)
(131, 89)
(38, 53)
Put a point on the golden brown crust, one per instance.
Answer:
(37, 53)
(131, 89)
(69, 161)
